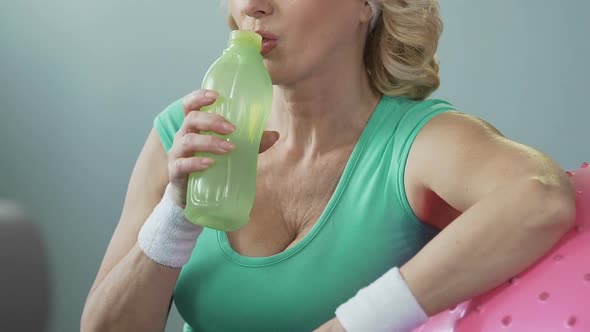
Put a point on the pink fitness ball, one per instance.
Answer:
(553, 295)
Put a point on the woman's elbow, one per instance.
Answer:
(94, 319)
(555, 204)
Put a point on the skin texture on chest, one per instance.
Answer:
(290, 198)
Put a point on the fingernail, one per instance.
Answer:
(210, 94)
(228, 127)
(227, 146)
(207, 161)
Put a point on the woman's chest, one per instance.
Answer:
(288, 203)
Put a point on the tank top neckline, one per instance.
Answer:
(349, 168)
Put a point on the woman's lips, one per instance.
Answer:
(269, 41)
(268, 45)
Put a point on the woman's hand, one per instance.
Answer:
(188, 141)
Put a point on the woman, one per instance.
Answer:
(375, 206)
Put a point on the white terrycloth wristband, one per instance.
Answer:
(167, 237)
(386, 305)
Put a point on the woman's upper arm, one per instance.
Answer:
(145, 189)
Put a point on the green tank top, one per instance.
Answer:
(366, 228)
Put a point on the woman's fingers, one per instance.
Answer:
(181, 167)
(197, 99)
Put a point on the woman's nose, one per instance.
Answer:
(258, 8)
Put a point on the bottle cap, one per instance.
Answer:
(248, 37)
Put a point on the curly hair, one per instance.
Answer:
(400, 51)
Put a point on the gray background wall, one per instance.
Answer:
(81, 82)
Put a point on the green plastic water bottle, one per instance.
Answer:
(222, 196)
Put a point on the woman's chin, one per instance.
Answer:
(278, 75)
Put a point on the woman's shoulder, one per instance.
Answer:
(168, 122)
(405, 119)
(407, 115)
(410, 106)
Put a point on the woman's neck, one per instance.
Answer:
(322, 113)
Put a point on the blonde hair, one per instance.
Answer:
(400, 52)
